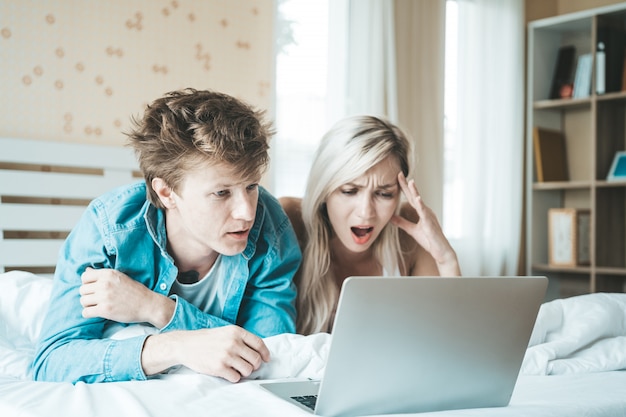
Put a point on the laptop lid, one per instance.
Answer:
(416, 344)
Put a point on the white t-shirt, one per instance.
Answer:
(208, 293)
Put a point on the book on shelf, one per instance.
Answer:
(582, 78)
(562, 70)
(550, 155)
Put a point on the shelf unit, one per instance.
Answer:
(595, 129)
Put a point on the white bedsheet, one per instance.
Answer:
(589, 395)
(579, 338)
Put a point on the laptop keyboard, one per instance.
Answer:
(307, 400)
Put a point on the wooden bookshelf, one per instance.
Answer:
(594, 128)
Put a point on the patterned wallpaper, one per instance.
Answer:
(77, 70)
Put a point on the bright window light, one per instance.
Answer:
(452, 179)
(301, 85)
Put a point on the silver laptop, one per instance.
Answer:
(417, 344)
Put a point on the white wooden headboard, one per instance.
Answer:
(44, 188)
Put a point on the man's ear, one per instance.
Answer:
(164, 192)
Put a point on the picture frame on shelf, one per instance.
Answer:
(568, 233)
(618, 167)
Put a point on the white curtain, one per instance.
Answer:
(420, 59)
(362, 63)
(488, 155)
(386, 58)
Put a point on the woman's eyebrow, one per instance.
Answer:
(383, 186)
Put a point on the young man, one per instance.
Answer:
(198, 250)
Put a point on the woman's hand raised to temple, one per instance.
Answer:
(427, 231)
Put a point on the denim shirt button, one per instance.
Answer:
(163, 286)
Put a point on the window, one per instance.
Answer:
(301, 86)
(301, 99)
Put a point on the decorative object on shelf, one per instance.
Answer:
(550, 155)
(600, 69)
(562, 70)
(618, 167)
(582, 78)
(568, 232)
(567, 90)
(612, 36)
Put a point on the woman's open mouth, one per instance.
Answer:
(361, 235)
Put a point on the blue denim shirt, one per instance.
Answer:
(123, 231)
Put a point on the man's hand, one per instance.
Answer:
(113, 295)
(228, 352)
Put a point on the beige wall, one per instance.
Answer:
(75, 70)
(538, 9)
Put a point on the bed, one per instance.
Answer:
(574, 365)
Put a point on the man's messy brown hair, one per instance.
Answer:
(189, 127)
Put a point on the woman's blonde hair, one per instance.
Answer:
(348, 150)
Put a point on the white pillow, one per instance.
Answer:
(24, 299)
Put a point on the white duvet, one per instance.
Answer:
(581, 334)
(572, 367)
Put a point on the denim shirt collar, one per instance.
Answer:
(155, 222)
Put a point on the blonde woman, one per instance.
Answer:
(351, 223)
